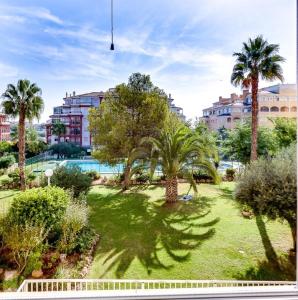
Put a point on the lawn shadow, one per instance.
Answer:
(133, 227)
(266, 270)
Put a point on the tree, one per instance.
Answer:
(180, 151)
(66, 150)
(129, 113)
(257, 60)
(34, 145)
(237, 144)
(58, 129)
(285, 130)
(5, 147)
(23, 100)
(268, 187)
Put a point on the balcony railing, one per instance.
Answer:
(63, 285)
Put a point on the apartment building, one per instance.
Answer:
(4, 128)
(74, 115)
(274, 101)
(176, 109)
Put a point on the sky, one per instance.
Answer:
(186, 46)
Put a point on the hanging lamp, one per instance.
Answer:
(112, 27)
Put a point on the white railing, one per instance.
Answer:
(52, 285)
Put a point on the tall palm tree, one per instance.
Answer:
(58, 129)
(23, 101)
(257, 60)
(180, 151)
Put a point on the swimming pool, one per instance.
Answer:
(93, 165)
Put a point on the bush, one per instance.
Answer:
(22, 240)
(84, 240)
(93, 175)
(39, 206)
(7, 183)
(200, 176)
(7, 161)
(71, 178)
(75, 218)
(230, 174)
(15, 178)
(142, 178)
(268, 187)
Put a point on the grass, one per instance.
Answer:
(6, 198)
(206, 238)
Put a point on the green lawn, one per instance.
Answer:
(203, 239)
(6, 198)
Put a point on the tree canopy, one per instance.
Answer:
(268, 187)
(285, 130)
(128, 113)
(237, 144)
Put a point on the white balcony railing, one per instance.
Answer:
(63, 285)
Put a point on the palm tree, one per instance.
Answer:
(180, 151)
(257, 60)
(58, 129)
(23, 101)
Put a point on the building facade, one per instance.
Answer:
(274, 101)
(175, 109)
(4, 128)
(74, 115)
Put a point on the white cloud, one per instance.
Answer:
(19, 13)
(7, 70)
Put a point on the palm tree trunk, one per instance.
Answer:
(254, 120)
(21, 130)
(126, 181)
(171, 190)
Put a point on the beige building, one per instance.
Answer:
(274, 101)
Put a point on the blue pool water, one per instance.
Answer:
(93, 165)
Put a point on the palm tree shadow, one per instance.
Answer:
(266, 270)
(134, 228)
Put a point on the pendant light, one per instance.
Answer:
(112, 27)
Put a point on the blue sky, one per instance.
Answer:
(185, 45)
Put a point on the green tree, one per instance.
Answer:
(34, 145)
(268, 187)
(58, 129)
(23, 101)
(180, 151)
(285, 130)
(237, 145)
(129, 113)
(5, 147)
(67, 150)
(257, 60)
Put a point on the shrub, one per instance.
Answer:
(75, 218)
(84, 240)
(22, 240)
(142, 178)
(268, 187)
(40, 206)
(230, 174)
(93, 175)
(201, 176)
(7, 161)
(71, 178)
(7, 183)
(15, 178)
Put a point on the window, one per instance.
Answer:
(284, 109)
(274, 109)
(294, 108)
(264, 109)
